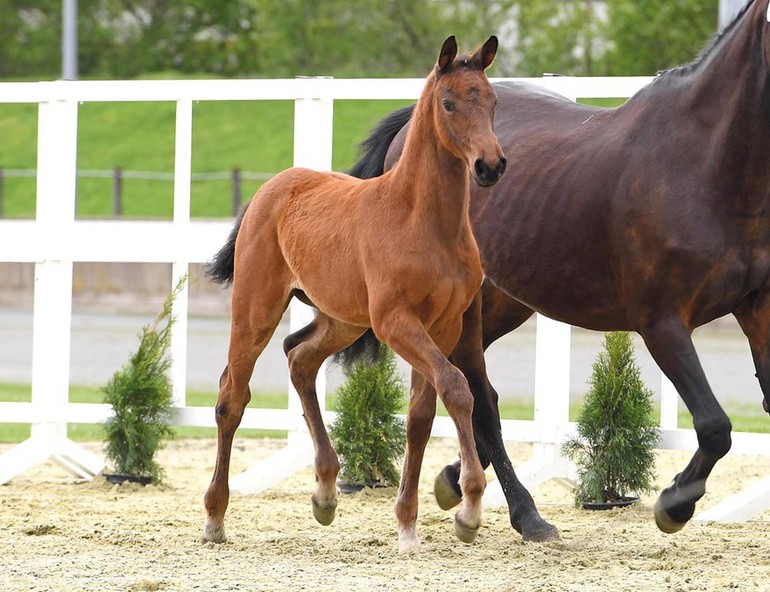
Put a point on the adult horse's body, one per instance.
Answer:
(395, 253)
(653, 217)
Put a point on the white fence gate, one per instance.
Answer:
(55, 239)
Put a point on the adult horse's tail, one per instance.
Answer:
(220, 269)
(372, 164)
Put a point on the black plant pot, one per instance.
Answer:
(356, 487)
(122, 478)
(349, 487)
(621, 503)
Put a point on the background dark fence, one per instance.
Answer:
(118, 175)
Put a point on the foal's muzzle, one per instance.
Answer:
(487, 176)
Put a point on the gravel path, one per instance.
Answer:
(101, 343)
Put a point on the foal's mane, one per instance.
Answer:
(714, 42)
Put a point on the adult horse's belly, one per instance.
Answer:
(547, 245)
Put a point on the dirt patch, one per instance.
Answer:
(57, 534)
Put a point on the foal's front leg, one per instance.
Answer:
(404, 333)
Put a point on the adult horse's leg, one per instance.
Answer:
(468, 355)
(255, 315)
(307, 349)
(500, 314)
(670, 344)
(407, 337)
(753, 315)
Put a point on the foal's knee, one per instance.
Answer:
(455, 393)
(714, 436)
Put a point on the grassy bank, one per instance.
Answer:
(255, 136)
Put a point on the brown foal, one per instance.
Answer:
(394, 253)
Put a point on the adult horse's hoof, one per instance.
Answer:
(664, 521)
(544, 536)
(324, 515)
(444, 488)
(465, 533)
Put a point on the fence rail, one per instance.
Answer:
(54, 240)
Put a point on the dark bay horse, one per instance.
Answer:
(652, 217)
(394, 253)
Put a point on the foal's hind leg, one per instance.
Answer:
(405, 334)
(307, 349)
(255, 316)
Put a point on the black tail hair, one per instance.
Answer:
(220, 269)
(367, 349)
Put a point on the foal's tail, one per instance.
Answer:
(367, 348)
(220, 269)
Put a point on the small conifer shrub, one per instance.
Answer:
(141, 398)
(367, 434)
(617, 434)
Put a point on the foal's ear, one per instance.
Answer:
(448, 53)
(487, 52)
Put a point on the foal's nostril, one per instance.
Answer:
(481, 168)
(502, 163)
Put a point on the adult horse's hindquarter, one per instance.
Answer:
(395, 253)
(649, 217)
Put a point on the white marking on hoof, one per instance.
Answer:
(408, 541)
(214, 533)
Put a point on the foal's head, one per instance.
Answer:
(464, 106)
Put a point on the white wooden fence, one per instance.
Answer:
(54, 240)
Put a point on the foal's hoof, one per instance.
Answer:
(664, 521)
(444, 488)
(324, 515)
(465, 533)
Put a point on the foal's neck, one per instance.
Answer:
(432, 180)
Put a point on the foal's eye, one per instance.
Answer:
(449, 106)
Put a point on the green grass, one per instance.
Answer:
(256, 136)
(744, 418)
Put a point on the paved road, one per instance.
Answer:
(102, 342)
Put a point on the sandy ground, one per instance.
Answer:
(58, 534)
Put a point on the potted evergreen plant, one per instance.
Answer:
(141, 399)
(616, 431)
(367, 434)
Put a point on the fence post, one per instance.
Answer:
(313, 128)
(180, 267)
(117, 191)
(235, 177)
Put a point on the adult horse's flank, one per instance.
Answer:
(650, 217)
(396, 254)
